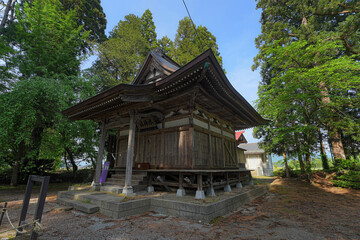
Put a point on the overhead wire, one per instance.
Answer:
(196, 32)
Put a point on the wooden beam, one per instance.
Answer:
(199, 182)
(117, 123)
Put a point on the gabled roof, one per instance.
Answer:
(240, 138)
(252, 148)
(202, 75)
(156, 66)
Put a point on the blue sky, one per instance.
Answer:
(234, 23)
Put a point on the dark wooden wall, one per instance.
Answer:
(165, 149)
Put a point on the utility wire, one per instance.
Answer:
(196, 33)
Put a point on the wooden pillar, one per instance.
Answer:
(236, 154)
(162, 154)
(222, 145)
(199, 182)
(150, 187)
(199, 193)
(192, 135)
(227, 188)
(181, 180)
(130, 155)
(239, 184)
(210, 191)
(210, 144)
(181, 191)
(96, 183)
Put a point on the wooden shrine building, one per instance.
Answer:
(177, 122)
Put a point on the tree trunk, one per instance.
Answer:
(334, 134)
(36, 137)
(336, 145)
(308, 165)
(19, 156)
(6, 14)
(72, 161)
(287, 172)
(324, 159)
(65, 161)
(301, 162)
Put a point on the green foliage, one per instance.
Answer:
(148, 29)
(90, 15)
(120, 57)
(282, 173)
(347, 164)
(190, 43)
(167, 45)
(347, 173)
(310, 74)
(49, 39)
(32, 102)
(43, 64)
(348, 179)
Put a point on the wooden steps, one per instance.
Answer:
(118, 178)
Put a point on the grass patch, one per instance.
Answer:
(216, 220)
(52, 186)
(86, 201)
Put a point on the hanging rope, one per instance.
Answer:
(36, 226)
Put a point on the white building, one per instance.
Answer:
(257, 160)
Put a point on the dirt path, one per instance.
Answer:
(291, 210)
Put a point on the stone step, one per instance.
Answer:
(81, 206)
(111, 188)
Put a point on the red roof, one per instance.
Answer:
(238, 134)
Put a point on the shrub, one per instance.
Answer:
(282, 173)
(348, 164)
(347, 179)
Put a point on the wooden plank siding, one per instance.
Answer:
(188, 146)
(201, 150)
(176, 151)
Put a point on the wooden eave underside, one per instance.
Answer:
(210, 88)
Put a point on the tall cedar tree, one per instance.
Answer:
(309, 63)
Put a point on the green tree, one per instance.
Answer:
(50, 40)
(45, 64)
(33, 105)
(121, 56)
(316, 45)
(148, 29)
(90, 15)
(167, 45)
(190, 43)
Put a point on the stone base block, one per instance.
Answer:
(200, 194)
(150, 189)
(180, 192)
(210, 192)
(239, 185)
(128, 190)
(251, 183)
(227, 188)
(96, 186)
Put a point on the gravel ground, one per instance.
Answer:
(291, 210)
